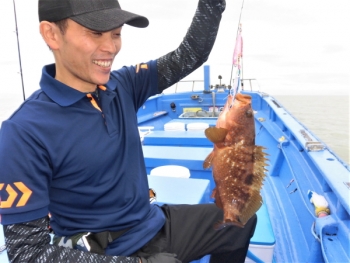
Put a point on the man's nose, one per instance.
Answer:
(110, 44)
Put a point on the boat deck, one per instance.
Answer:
(298, 162)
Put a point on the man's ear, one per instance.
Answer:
(50, 33)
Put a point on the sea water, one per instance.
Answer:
(327, 117)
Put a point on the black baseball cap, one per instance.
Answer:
(98, 15)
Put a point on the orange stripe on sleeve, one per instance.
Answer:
(26, 193)
(11, 198)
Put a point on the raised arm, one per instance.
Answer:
(194, 50)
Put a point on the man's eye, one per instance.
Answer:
(97, 33)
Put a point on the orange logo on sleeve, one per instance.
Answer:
(143, 66)
(12, 194)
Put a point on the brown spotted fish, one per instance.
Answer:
(237, 163)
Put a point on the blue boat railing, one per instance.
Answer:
(253, 85)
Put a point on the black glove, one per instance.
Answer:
(161, 258)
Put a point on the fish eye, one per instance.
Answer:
(249, 113)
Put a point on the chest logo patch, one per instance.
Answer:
(13, 190)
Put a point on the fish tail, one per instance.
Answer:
(254, 205)
(221, 225)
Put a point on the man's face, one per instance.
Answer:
(84, 57)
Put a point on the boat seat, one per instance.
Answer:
(144, 130)
(197, 126)
(174, 126)
(184, 138)
(150, 116)
(189, 157)
(174, 190)
(171, 171)
(211, 122)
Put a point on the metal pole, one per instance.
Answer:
(206, 77)
(19, 51)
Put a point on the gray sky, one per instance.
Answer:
(296, 47)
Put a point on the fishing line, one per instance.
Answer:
(19, 51)
(238, 30)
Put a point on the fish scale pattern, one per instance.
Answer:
(238, 164)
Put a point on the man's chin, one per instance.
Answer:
(104, 80)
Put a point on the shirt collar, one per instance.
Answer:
(60, 93)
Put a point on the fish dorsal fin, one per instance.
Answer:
(216, 135)
(208, 161)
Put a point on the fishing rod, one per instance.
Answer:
(19, 51)
(239, 28)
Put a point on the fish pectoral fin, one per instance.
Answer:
(213, 193)
(208, 161)
(216, 135)
(217, 198)
(253, 206)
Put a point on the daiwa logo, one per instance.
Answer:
(21, 188)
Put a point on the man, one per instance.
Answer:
(73, 149)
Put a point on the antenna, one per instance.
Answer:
(19, 51)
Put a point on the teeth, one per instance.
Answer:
(104, 64)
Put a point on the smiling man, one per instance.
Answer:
(83, 56)
(73, 149)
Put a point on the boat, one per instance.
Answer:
(301, 168)
(300, 164)
(171, 130)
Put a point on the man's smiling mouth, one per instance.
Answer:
(101, 63)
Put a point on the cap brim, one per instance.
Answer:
(108, 19)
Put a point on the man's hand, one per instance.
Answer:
(161, 258)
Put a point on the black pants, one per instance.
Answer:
(189, 233)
